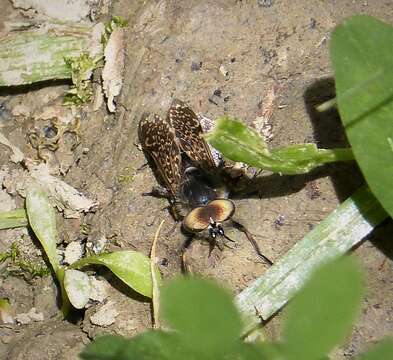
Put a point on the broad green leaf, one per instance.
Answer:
(381, 351)
(236, 133)
(108, 347)
(130, 266)
(238, 142)
(323, 312)
(154, 345)
(42, 220)
(13, 218)
(203, 314)
(361, 51)
(77, 286)
(151, 345)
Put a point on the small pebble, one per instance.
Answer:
(280, 221)
(106, 315)
(265, 3)
(217, 92)
(196, 66)
(223, 70)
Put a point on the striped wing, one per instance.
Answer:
(159, 140)
(189, 132)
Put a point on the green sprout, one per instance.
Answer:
(20, 266)
(81, 69)
(127, 177)
(115, 22)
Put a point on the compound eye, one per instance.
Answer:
(220, 230)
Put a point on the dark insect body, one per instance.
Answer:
(193, 183)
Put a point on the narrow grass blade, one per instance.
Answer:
(155, 281)
(339, 232)
(13, 219)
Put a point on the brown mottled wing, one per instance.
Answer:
(188, 131)
(158, 139)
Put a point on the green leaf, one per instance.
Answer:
(107, 347)
(204, 306)
(203, 314)
(65, 302)
(381, 351)
(77, 286)
(130, 266)
(42, 220)
(238, 142)
(151, 345)
(323, 312)
(13, 218)
(361, 51)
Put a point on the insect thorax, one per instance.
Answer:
(197, 187)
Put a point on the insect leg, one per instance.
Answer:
(158, 191)
(251, 239)
(184, 261)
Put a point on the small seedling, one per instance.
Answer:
(131, 267)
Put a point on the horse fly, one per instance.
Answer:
(194, 185)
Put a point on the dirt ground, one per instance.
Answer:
(223, 57)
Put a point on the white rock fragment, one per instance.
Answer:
(77, 285)
(223, 70)
(106, 315)
(112, 73)
(66, 198)
(27, 318)
(73, 252)
(99, 289)
(99, 245)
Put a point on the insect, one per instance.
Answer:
(193, 184)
